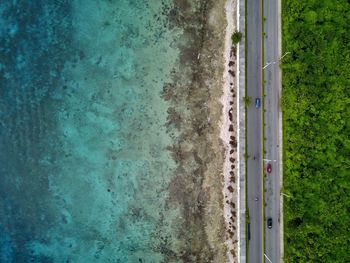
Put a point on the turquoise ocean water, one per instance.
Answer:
(84, 141)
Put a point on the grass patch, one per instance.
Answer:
(247, 101)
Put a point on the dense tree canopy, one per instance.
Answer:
(316, 112)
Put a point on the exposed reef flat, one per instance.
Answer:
(196, 111)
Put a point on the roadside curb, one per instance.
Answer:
(280, 143)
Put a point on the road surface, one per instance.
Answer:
(254, 130)
(272, 132)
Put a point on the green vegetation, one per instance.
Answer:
(247, 101)
(316, 111)
(236, 37)
(246, 156)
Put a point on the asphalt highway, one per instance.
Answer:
(254, 131)
(272, 129)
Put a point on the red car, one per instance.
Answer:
(269, 168)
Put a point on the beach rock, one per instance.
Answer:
(230, 188)
(233, 144)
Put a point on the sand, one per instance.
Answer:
(229, 137)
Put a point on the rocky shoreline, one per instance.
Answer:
(204, 115)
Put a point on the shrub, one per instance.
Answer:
(236, 37)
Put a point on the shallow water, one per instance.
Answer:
(88, 145)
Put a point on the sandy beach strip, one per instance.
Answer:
(229, 136)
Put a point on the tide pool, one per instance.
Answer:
(88, 140)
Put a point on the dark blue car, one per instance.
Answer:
(257, 103)
(269, 223)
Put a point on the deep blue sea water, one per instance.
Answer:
(84, 146)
